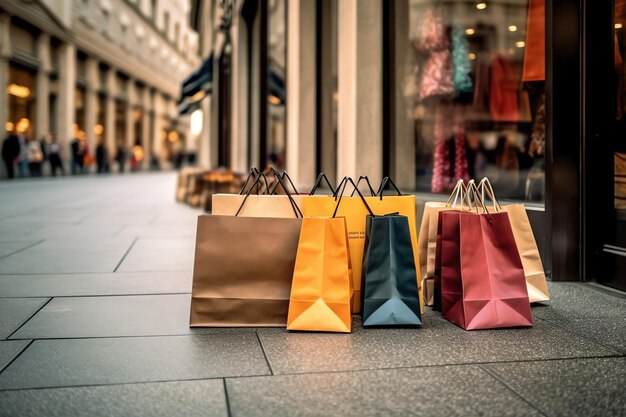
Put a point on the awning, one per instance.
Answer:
(196, 87)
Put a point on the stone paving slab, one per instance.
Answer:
(458, 390)
(85, 255)
(609, 332)
(9, 350)
(583, 387)
(437, 343)
(76, 362)
(163, 399)
(141, 315)
(16, 311)
(9, 248)
(570, 300)
(150, 254)
(79, 284)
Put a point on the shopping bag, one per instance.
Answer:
(404, 205)
(389, 282)
(242, 270)
(427, 239)
(536, 283)
(322, 288)
(482, 279)
(257, 205)
(355, 213)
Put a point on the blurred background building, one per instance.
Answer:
(526, 92)
(99, 70)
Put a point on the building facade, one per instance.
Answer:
(101, 70)
(431, 91)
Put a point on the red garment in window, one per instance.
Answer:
(503, 91)
(535, 54)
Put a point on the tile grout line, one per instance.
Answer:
(228, 412)
(269, 365)
(126, 254)
(95, 295)
(158, 381)
(510, 388)
(579, 334)
(23, 249)
(29, 319)
(17, 356)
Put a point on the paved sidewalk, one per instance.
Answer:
(95, 276)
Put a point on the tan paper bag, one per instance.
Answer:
(525, 240)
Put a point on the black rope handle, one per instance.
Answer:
(343, 184)
(319, 179)
(295, 207)
(252, 175)
(284, 176)
(367, 180)
(387, 181)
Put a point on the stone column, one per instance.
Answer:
(239, 93)
(109, 113)
(301, 92)
(42, 102)
(157, 105)
(403, 142)
(5, 55)
(146, 140)
(66, 111)
(91, 99)
(359, 125)
(129, 133)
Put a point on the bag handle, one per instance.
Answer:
(369, 185)
(471, 187)
(319, 179)
(342, 185)
(387, 181)
(251, 176)
(485, 186)
(459, 190)
(254, 172)
(282, 177)
(295, 207)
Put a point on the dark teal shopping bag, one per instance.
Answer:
(389, 280)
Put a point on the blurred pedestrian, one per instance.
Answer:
(10, 153)
(120, 158)
(34, 157)
(102, 157)
(22, 161)
(54, 156)
(78, 148)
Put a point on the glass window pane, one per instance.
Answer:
(473, 85)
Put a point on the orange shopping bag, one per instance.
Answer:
(322, 286)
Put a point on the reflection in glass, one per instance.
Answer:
(475, 101)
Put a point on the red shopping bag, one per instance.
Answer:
(482, 278)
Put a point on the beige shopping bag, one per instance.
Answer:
(525, 240)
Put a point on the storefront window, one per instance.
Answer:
(473, 85)
(620, 143)
(21, 91)
(276, 114)
(80, 112)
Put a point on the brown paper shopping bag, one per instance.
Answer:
(243, 270)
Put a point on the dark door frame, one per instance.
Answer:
(601, 263)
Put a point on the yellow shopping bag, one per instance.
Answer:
(321, 290)
(355, 213)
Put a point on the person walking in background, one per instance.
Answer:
(10, 152)
(43, 146)
(102, 157)
(120, 158)
(35, 158)
(74, 152)
(54, 156)
(22, 162)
